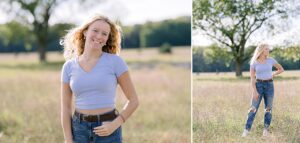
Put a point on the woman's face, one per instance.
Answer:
(97, 34)
(266, 51)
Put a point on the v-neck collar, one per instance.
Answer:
(263, 62)
(87, 72)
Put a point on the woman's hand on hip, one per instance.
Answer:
(105, 129)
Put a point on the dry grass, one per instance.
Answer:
(30, 98)
(220, 104)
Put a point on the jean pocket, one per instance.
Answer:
(79, 127)
(75, 119)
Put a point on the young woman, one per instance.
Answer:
(262, 86)
(91, 76)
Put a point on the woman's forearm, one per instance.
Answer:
(66, 125)
(279, 71)
(66, 111)
(130, 93)
(253, 84)
(127, 111)
(130, 107)
(253, 79)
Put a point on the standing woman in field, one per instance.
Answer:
(262, 86)
(90, 75)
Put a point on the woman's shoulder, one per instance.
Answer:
(254, 63)
(113, 57)
(271, 59)
(69, 62)
(115, 60)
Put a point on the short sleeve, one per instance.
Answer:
(273, 61)
(65, 72)
(120, 66)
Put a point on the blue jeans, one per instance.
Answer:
(266, 91)
(83, 133)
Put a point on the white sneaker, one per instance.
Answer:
(245, 133)
(265, 132)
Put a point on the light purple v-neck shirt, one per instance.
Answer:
(96, 88)
(264, 70)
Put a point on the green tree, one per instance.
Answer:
(232, 22)
(56, 32)
(131, 36)
(175, 32)
(14, 34)
(292, 53)
(288, 57)
(36, 14)
(214, 53)
(40, 11)
(198, 60)
(165, 48)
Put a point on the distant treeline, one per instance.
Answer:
(216, 59)
(16, 37)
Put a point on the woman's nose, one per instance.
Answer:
(99, 36)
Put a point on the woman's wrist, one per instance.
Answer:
(118, 122)
(122, 117)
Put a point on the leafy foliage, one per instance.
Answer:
(17, 33)
(175, 32)
(216, 59)
(165, 48)
(231, 22)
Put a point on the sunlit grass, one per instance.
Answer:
(30, 99)
(220, 104)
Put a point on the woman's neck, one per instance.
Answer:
(91, 55)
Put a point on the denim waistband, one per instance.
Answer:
(264, 80)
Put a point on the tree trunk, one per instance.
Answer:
(41, 32)
(238, 68)
(42, 52)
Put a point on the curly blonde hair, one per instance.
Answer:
(73, 42)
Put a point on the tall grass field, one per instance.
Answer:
(30, 97)
(221, 103)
